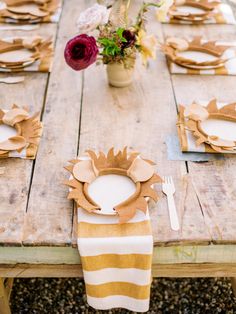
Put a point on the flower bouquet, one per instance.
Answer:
(107, 36)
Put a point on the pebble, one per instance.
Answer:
(168, 296)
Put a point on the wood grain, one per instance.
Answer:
(15, 180)
(49, 214)
(233, 282)
(4, 305)
(172, 254)
(158, 270)
(214, 182)
(141, 117)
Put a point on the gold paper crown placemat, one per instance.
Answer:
(207, 127)
(199, 56)
(20, 133)
(115, 250)
(199, 12)
(29, 11)
(26, 54)
(140, 171)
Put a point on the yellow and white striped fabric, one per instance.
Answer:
(116, 260)
(229, 67)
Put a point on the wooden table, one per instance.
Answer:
(80, 111)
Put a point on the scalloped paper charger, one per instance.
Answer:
(26, 54)
(29, 11)
(196, 138)
(199, 56)
(28, 130)
(199, 12)
(140, 171)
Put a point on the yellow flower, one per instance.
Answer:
(162, 12)
(148, 45)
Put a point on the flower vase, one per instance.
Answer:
(118, 75)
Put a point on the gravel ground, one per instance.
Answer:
(180, 296)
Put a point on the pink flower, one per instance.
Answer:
(81, 51)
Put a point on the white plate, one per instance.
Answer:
(6, 132)
(190, 10)
(31, 8)
(223, 129)
(20, 55)
(197, 56)
(110, 190)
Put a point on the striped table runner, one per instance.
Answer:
(116, 260)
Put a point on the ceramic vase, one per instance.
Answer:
(118, 75)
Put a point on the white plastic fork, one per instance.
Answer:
(169, 189)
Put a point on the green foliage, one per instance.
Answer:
(119, 32)
(112, 46)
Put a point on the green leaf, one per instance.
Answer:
(105, 41)
(110, 47)
(119, 32)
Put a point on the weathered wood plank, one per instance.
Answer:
(158, 270)
(49, 215)
(16, 173)
(141, 117)
(161, 255)
(214, 182)
(233, 282)
(4, 304)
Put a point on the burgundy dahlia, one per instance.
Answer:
(130, 37)
(81, 51)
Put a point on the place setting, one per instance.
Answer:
(200, 56)
(207, 127)
(29, 11)
(198, 12)
(26, 54)
(20, 133)
(111, 192)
